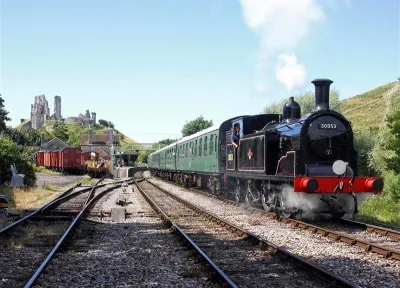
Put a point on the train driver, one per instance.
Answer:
(235, 138)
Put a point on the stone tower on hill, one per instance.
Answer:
(57, 107)
(40, 112)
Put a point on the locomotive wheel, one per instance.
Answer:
(284, 210)
(266, 199)
(238, 193)
(248, 198)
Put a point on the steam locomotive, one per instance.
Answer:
(292, 164)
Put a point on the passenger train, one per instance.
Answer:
(296, 165)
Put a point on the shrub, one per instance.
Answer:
(11, 153)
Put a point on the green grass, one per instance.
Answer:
(367, 110)
(44, 170)
(29, 198)
(380, 209)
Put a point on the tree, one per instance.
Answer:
(386, 153)
(3, 116)
(195, 126)
(144, 155)
(60, 131)
(306, 102)
(11, 153)
(166, 141)
(110, 124)
(30, 137)
(364, 142)
(103, 122)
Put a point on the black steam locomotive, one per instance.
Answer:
(295, 165)
(301, 164)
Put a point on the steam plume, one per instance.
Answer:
(280, 25)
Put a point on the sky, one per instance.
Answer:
(150, 66)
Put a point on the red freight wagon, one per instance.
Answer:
(40, 158)
(70, 158)
(46, 159)
(86, 156)
(54, 161)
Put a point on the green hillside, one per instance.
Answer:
(367, 110)
(75, 131)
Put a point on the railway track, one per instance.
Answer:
(53, 241)
(371, 238)
(238, 257)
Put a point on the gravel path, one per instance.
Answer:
(59, 180)
(140, 252)
(245, 263)
(352, 263)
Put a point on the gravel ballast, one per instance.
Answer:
(242, 260)
(139, 252)
(349, 262)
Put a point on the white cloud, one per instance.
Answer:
(280, 25)
(290, 73)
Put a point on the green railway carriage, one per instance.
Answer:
(199, 152)
(200, 159)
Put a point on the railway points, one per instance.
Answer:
(46, 235)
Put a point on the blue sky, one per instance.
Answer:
(150, 66)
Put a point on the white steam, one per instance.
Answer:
(280, 25)
(290, 73)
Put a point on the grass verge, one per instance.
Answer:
(35, 234)
(380, 209)
(44, 170)
(30, 197)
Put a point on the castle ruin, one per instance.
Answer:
(40, 114)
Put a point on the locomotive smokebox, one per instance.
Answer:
(322, 93)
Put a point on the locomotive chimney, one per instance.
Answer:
(322, 93)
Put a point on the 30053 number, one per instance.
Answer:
(327, 126)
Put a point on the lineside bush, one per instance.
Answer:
(11, 153)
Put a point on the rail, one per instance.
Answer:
(223, 277)
(373, 228)
(367, 246)
(37, 273)
(35, 212)
(318, 271)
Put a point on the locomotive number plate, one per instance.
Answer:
(326, 126)
(3, 205)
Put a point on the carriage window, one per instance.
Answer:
(195, 149)
(205, 146)
(216, 143)
(186, 150)
(211, 144)
(201, 147)
(190, 149)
